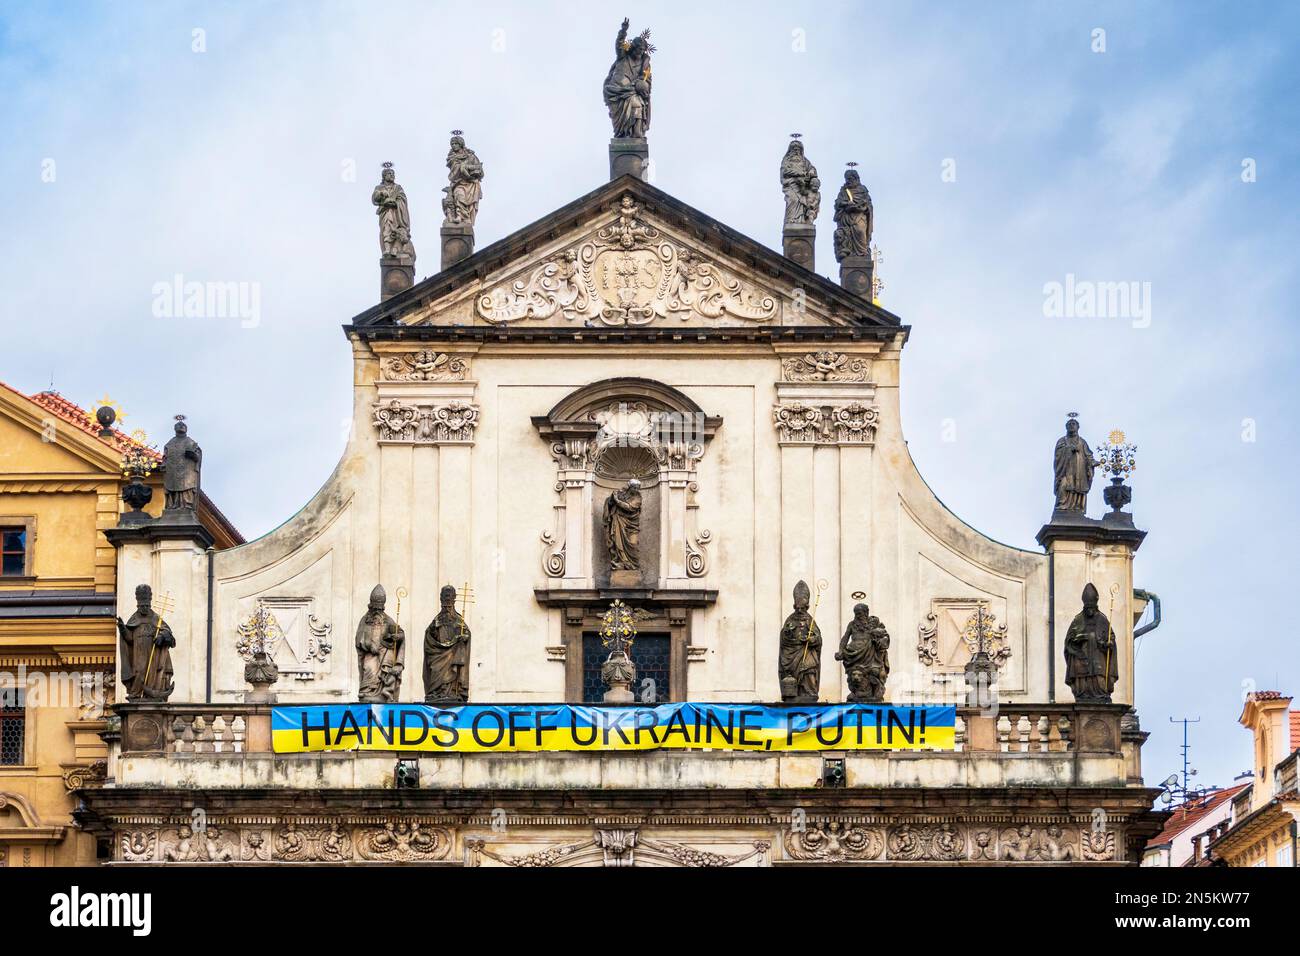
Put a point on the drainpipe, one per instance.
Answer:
(1154, 600)
(1051, 628)
(207, 697)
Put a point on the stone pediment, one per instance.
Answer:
(627, 256)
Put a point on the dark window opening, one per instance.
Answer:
(13, 726)
(652, 655)
(13, 551)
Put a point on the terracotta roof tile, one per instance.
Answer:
(74, 414)
(1189, 814)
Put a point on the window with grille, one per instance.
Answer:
(13, 726)
(13, 551)
(652, 655)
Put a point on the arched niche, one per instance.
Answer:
(600, 436)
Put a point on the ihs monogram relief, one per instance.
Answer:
(627, 274)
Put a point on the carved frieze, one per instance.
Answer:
(846, 841)
(425, 422)
(825, 366)
(808, 423)
(627, 274)
(426, 365)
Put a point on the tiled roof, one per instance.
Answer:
(1269, 695)
(1190, 813)
(74, 414)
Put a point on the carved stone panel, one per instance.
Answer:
(432, 422)
(627, 273)
(816, 423)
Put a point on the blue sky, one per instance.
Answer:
(1124, 165)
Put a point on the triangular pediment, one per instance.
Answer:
(627, 255)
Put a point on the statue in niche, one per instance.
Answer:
(465, 189)
(381, 653)
(627, 85)
(853, 218)
(802, 188)
(146, 640)
(1091, 665)
(182, 461)
(394, 216)
(801, 652)
(864, 649)
(1073, 467)
(446, 654)
(623, 527)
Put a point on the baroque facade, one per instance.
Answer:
(590, 463)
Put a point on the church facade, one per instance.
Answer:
(595, 464)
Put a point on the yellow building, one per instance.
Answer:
(60, 488)
(1266, 817)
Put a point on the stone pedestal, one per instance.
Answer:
(857, 274)
(457, 243)
(625, 579)
(628, 156)
(396, 274)
(798, 242)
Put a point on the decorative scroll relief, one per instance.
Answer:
(426, 365)
(627, 274)
(825, 366)
(616, 848)
(849, 423)
(950, 635)
(394, 840)
(846, 841)
(417, 422)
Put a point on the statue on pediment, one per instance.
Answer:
(465, 184)
(623, 527)
(1072, 467)
(802, 188)
(627, 85)
(864, 651)
(446, 653)
(801, 651)
(381, 653)
(854, 218)
(394, 216)
(1091, 656)
(182, 461)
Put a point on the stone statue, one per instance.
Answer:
(145, 641)
(446, 654)
(864, 649)
(1091, 657)
(182, 460)
(801, 652)
(1073, 465)
(465, 176)
(623, 527)
(627, 86)
(802, 188)
(854, 217)
(381, 653)
(394, 217)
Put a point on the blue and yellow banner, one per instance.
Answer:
(493, 728)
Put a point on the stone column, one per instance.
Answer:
(1082, 554)
(857, 275)
(628, 156)
(175, 555)
(396, 274)
(457, 243)
(799, 242)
